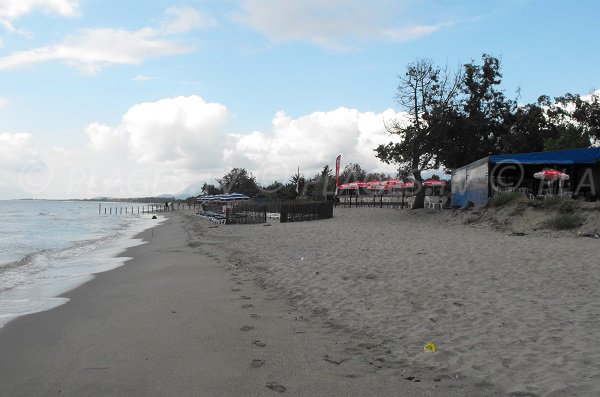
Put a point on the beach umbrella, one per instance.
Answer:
(392, 182)
(375, 185)
(231, 197)
(552, 175)
(433, 182)
(206, 197)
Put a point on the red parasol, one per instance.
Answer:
(552, 175)
(434, 182)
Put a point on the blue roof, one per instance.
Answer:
(568, 156)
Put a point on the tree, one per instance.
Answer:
(529, 129)
(321, 184)
(483, 117)
(575, 121)
(352, 173)
(238, 181)
(280, 191)
(427, 93)
(376, 176)
(210, 189)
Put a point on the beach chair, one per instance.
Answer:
(435, 202)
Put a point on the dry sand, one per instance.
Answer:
(518, 312)
(199, 312)
(340, 307)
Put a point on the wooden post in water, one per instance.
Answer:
(99, 208)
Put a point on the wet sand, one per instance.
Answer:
(194, 314)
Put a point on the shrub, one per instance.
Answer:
(565, 221)
(566, 207)
(503, 198)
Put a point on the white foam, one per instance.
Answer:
(37, 286)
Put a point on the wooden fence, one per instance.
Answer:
(248, 212)
(120, 209)
(380, 201)
(298, 211)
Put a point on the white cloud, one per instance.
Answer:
(93, 49)
(4, 102)
(312, 141)
(184, 19)
(164, 146)
(336, 23)
(11, 10)
(15, 150)
(182, 131)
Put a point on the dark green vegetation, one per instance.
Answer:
(503, 198)
(566, 221)
(455, 118)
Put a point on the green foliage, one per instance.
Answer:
(352, 172)
(566, 207)
(455, 119)
(503, 198)
(239, 181)
(567, 136)
(529, 128)
(565, 221)
(210, 189)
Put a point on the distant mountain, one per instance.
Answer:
(166, 196)
(194, 189)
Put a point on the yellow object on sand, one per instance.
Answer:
(430, 347)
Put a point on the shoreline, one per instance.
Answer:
(179, 319)
(66, 268)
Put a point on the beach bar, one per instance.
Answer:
(478, 181)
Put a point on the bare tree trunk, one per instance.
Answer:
(420, 197)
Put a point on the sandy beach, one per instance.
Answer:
(518, 312)
(340, 307)
(180, 319)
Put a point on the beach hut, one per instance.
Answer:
(478, 181)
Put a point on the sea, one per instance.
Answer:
(50, 247)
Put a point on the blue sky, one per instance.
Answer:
(123, 99)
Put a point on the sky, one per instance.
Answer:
(128, 99)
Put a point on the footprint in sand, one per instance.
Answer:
(255, 316)
(247, 305)
(236, 289)
(257, 363)
(245, 297)
(247, 328)
(259, 343)
(275, 387)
